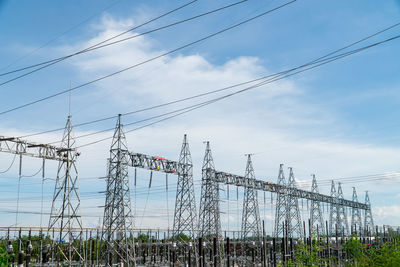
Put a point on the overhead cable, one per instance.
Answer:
(146, 61)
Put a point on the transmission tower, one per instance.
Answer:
(185, 204)
(251, 225)
(65, 211)
(280, 213)
(118, 221)
(356, 223)
(334, 213)
(342, 214)
(293, 219)
(368, 220)
(209, 217)
(316, 219)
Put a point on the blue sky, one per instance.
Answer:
(339, 120)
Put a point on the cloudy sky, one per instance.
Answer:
(338, 121)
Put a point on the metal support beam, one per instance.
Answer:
(316, 219)
(368, 220)
(118, 221)
(185, 217)
(356, 222)
(209, 219)
(65, 211)
(293, 219)
(251, 223)
(15, 145)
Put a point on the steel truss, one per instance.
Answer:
(356, 222)
(65, 210)
(316, 219)
(118, 220)
(15, 145)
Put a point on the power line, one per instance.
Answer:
(148, 60)
(197, 106)
(221, 89)
(63, 33)
(102, 45)
(92, 47)
(191, 107)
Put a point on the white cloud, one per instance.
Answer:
(274, 122)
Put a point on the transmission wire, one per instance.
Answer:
(275, 75)
(92, 47)
(146, 61)
(12, 163)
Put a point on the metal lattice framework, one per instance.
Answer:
(209, 214)
(293, 219)
(15, 145)
(368, 220)
(262, 185)
(185, 205)
(334, 219)
(342, 222)
(65, 211)
(316, 219)
(118, 221)
(211, 178)
(251, 223)
(170, 166)
(356, 222)
(281, 204)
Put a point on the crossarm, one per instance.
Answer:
(153, 163)
(15, 145)
(232, 179)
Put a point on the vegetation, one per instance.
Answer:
(352, 253)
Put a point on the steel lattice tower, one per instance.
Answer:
(292, 211)
(368, 220)
(316, 219)
(251, 224)
(185, 204)
(334, 213)
(356, 222)
(118, 221)
(342, 213)
(65, 211)
(280, 213)
(209, 215)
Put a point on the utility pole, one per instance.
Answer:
(316, 219)
(65, 211)
(118, 221)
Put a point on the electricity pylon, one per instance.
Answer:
(316, 219)
(368, 220)
(251, 224)
(343, 225)
(356, 222)
(209, 215)
(293, 218)
(334, 213)
(65, 211)
(118, 221)
(280, 213)
(185, 204)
